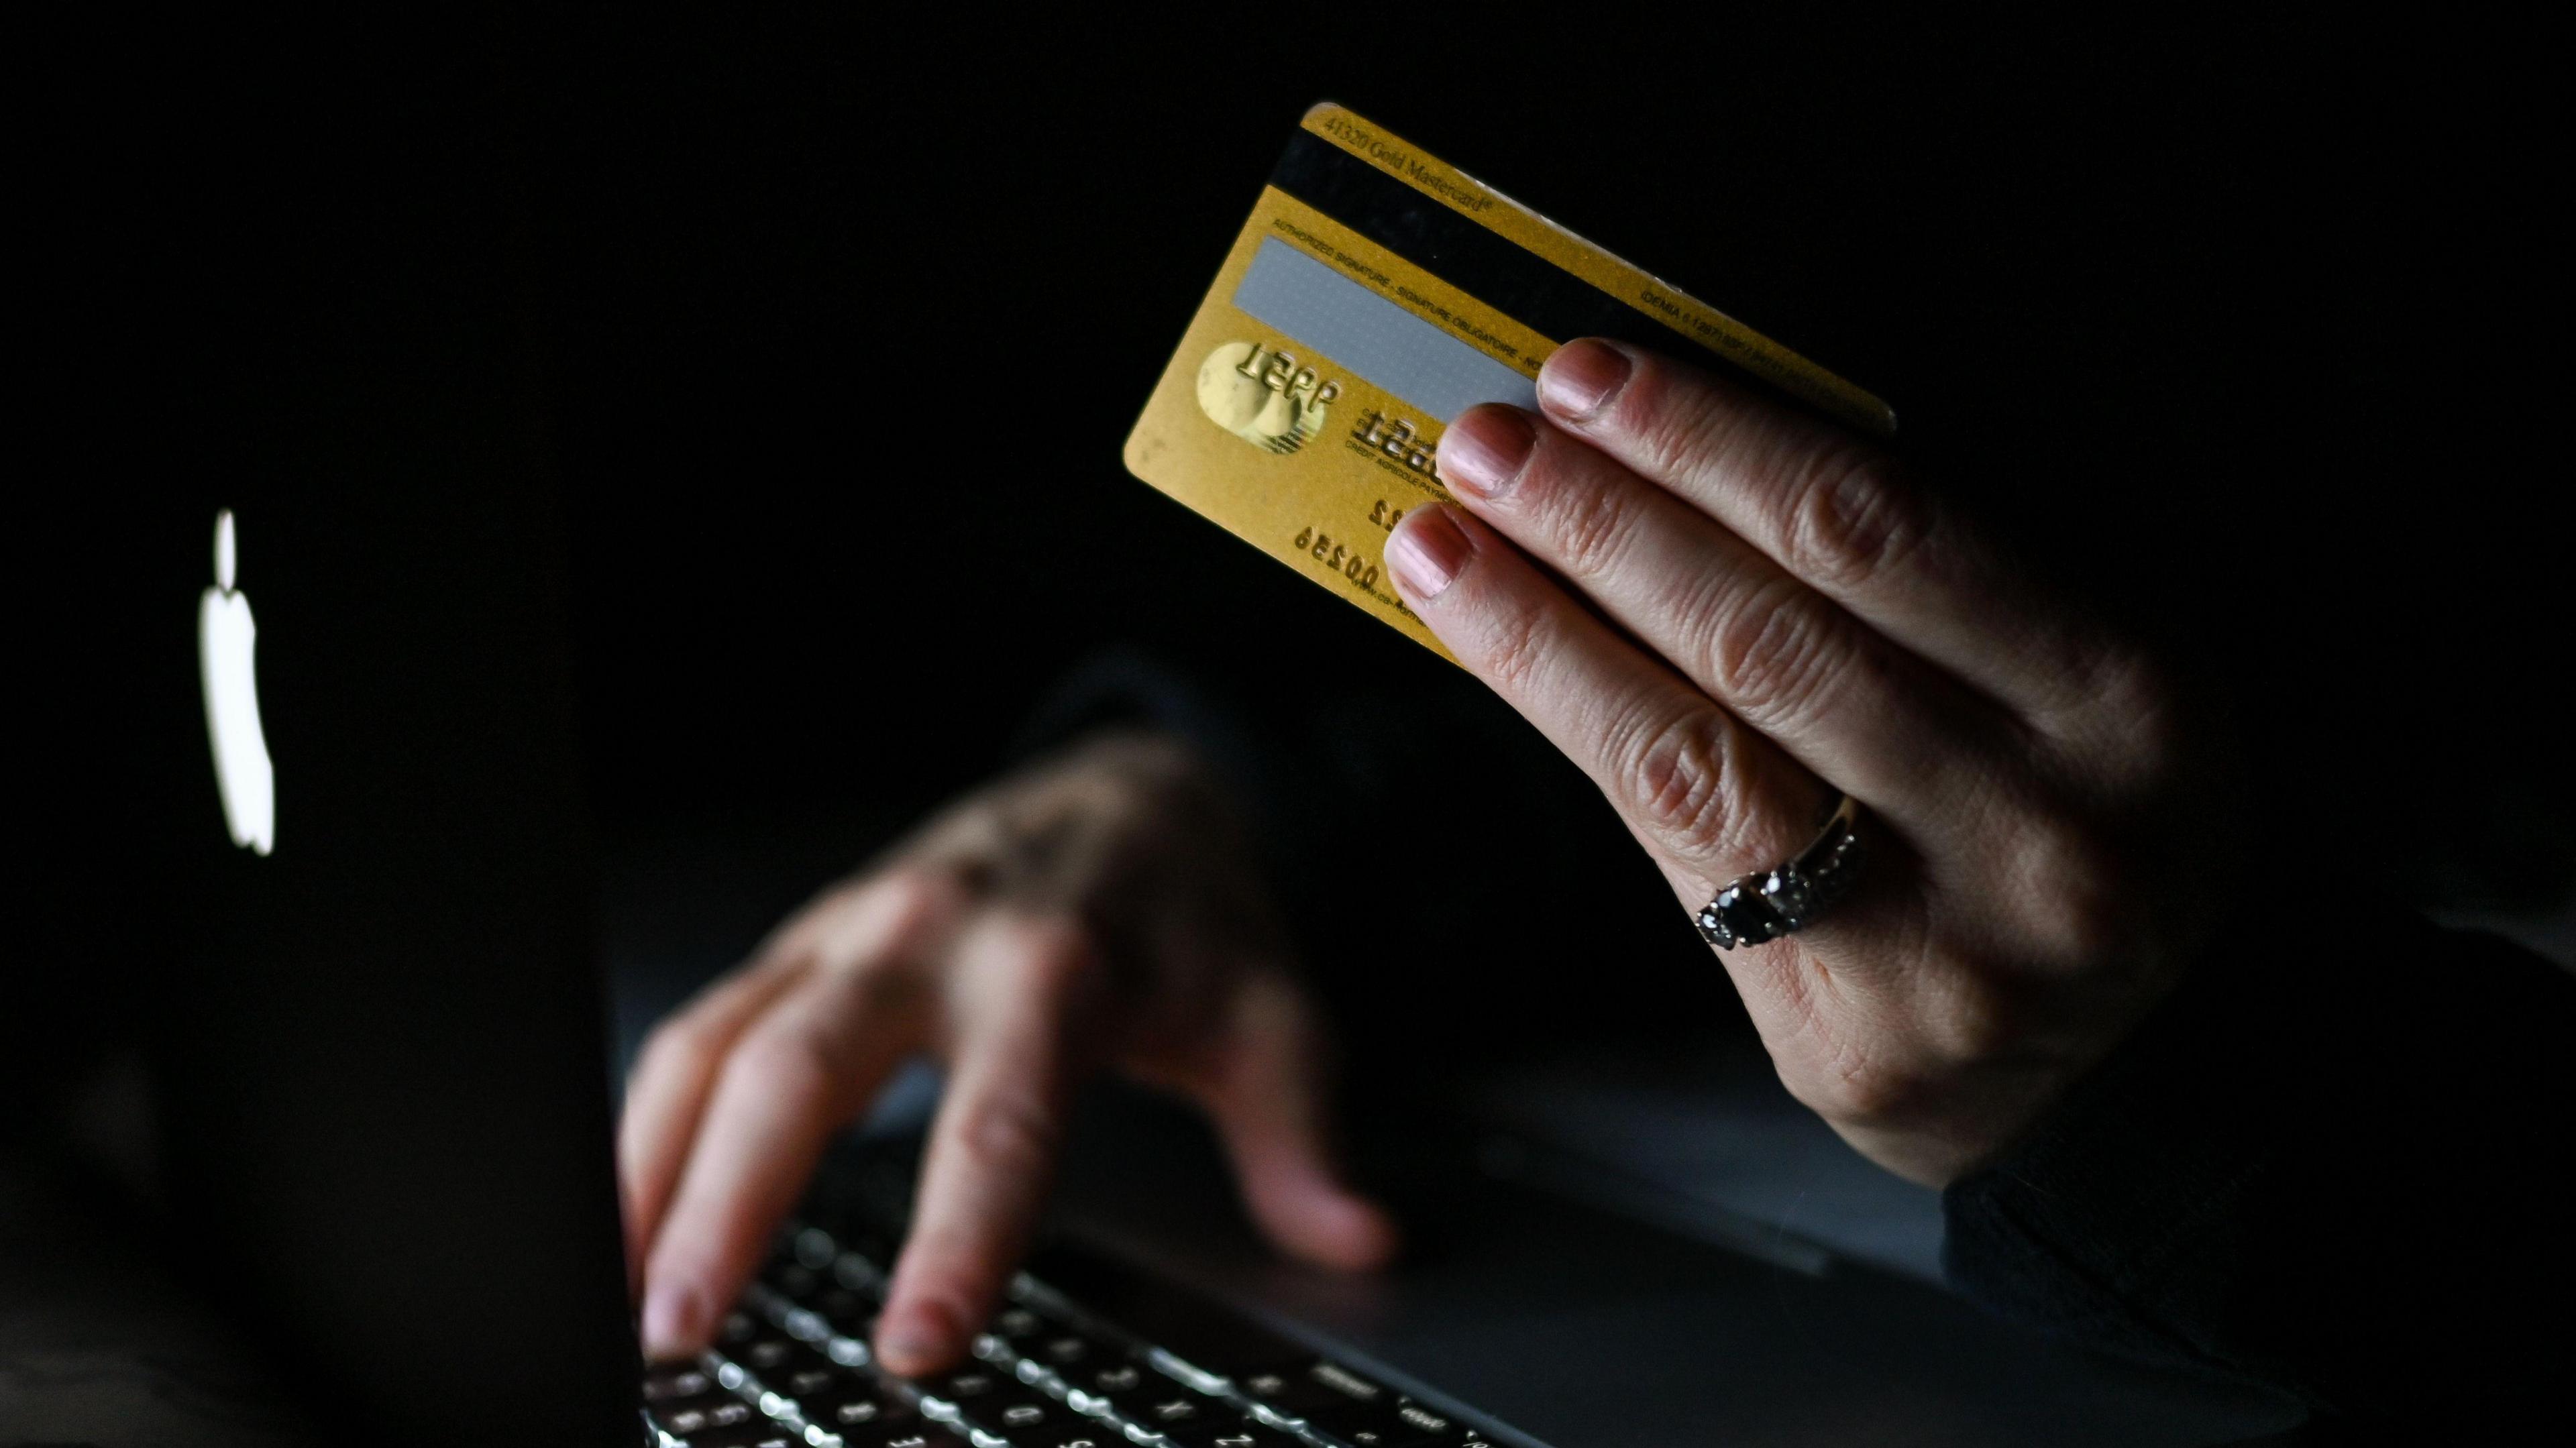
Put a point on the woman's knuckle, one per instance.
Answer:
(1971, 1025)
(1592, 525)
(2140, 682)
(1855, 1086)
(2091, 925)
(923, 891)
(912, 890)
(882, 914)
(1678, 778)
(1851, 521)
(1516, 649)
(1678, 430)
(791, 1064)
(1771, 658)
(2073, 896)
(1054, 951)
(2133, 700)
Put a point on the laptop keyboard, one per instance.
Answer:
(791, 1366)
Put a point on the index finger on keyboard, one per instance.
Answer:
(797, 1075)
(992, 1149)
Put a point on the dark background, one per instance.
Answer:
(2247, 334)
(832, 335)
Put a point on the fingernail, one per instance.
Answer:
(1583, 378)
(1427, 552)
(1482, 452)
(916, 1339)
(1368, 1237)
(1349, 1232)
(675, 1321)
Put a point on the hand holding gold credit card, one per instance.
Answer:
(1374, 295)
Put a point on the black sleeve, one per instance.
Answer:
(2333, 1164)
(1452, 882)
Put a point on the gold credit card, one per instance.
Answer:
(1374, 295)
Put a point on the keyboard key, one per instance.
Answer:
(869, 1247)
(1238, 1433)
(1195, 1329)
(760, 1434)
(1115, 1382)
(1166, 1411)
(854, 1313)
(1017, 1325)
(807, 1373)
(1401, 1424)
(996, 1403)
(795, 1279)
(1124, 1388)
(1381, 1435)
(860, 1274)
(815, 1248)
(915, 1435)
(1022, 1413)
(970, 1386)
(1322, 1386)
(857, 1406)
(1080, 1434)
(1032, 1350)
(689, 1417)
(1065, 1351)
(676, 1380)
(1425, 1417)
(1388, 1425)
(808, 1380)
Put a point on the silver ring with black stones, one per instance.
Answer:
(1788, 897)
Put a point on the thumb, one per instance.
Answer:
(1267, 1095)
